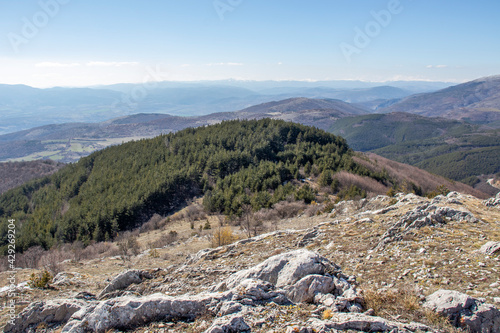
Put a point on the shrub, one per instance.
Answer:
(128, 245)
(153, 253)
(223, 236)
(351, 193)
(440, 190)
(305, 193)
(154, 223)
(40, 280)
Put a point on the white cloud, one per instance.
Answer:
(56, 64)
(436, 66)
(225, 64)
(111, 63)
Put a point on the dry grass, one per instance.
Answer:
(423, 179)
(371, 186)
(347, 242)
(404, 305)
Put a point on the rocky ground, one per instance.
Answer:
(377, 264)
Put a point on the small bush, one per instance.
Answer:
(128, 245)
(327, 314)
(40, 280)
(223, 236)
(305, 193)
(440, 190)
(154, 223)
(329, 206)
(351, 193)
(154, 253)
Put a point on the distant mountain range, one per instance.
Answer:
(23, 107)
(477, 101)
(405, 129)
(68, 142)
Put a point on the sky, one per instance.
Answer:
(49, 43)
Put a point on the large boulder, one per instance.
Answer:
(49, 312)
(304, 290)
(305, 277)
(285, 269)
(130, 312)
(465, 311)
(123, 280)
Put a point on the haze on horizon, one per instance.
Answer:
(83, 43)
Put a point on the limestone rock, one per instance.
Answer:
(364, 323)
(53, 311)
(465, 311)
(285, 269)
(306, 288)
(493, 202)
(123, 280)
(235, 324)
(255, 290)
(490, 248)
(66, 279)
(427, 214)
(129, 312)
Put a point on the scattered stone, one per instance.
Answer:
(123, 280)
(234, 324)
(66, 279)
(427, 214)
(490, 248)
(493, 202)
(465, 311)
(308, 237)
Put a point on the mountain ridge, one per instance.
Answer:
(476, 101)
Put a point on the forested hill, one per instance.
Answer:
(234, 163)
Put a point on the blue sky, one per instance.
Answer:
(87, 42)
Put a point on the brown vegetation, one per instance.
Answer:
(403, 172)
(14, 174)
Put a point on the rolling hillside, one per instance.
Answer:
(234, 164)
(451, 148)
(69, 142)
(476, 101)
(14, 174)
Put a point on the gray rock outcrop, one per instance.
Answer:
(49, 312)
(363, 323)
(421, 216)
(285, 269)
(123, 280)
(297, 276)
(465, 311)
(493, 202)
(234, 324)
(490, 248)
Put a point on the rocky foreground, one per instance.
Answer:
(439, 258)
